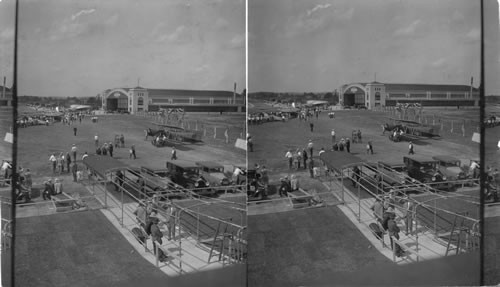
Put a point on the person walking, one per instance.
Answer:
(333, 136)
(132, 152)
(174, 154)
(74, 131)
(311, 125)
(369, 148)
(348, 145)
(96, 140)
(60, 163)
(410, 148)
(378, 209)
(122, 140)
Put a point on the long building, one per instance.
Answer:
(139, 99)
(377, 94)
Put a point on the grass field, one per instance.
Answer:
(296, 248)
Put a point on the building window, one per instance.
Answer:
(377, 96)
(140, 101)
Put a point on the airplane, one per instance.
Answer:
(412, 129)
(173, 134)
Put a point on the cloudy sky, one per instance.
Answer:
(80, 48)
(319, 45)
(7, 22)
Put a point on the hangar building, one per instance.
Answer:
(139, 99)
(377, 94)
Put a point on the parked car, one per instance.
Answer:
(426, 170)
(155, 181)
(451, 167)
(214, 173)
(392, 173)
(187, 174)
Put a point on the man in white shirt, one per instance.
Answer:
(333, 136)
(74, 150)
(289, 156)
(310, 146)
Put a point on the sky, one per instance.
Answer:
(319, 45)
(7, 24)
(80, 48)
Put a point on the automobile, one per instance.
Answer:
(347, 107)
(155, 181)
(392, 173)
(426, 170)
(214, 173)
(361, 107)
(187, 174)
(450, 167)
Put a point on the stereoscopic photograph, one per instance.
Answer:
(250, 143)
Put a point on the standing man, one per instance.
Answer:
(299, 158)
(174, 154)
(304, 157)
(111, 149)
(68, 161)
(74, 131)
(74, 150)
(333, 136)
(74, 169)
(408, 212)
(53, 161)
(289, 157)
(96, 140)
(310, 146)
(132, 152)
(311, 125)
(348, 145)
(410, 148)
(311, 167)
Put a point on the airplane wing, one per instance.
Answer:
(169, 126)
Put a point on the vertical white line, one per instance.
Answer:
(246, 75)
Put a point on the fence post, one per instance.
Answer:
(451, 131)
(359, 202)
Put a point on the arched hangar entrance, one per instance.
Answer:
(117, 101)
(354, 95)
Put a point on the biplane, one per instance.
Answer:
(172, 135)
(409, 130)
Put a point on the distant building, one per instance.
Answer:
(139, 99)
(376, 94)
(5, 96)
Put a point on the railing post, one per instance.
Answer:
(435, 231)
(359, 203)
(122, 202)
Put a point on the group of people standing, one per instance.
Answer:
(384, 211)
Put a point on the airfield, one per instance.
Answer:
(94, 246)
(332, 241)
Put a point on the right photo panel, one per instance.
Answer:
(364, 143)
(491, 250)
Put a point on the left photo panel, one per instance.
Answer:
(7, 40)
(131, 143)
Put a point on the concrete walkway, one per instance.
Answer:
(185, 254)
(421, 242)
